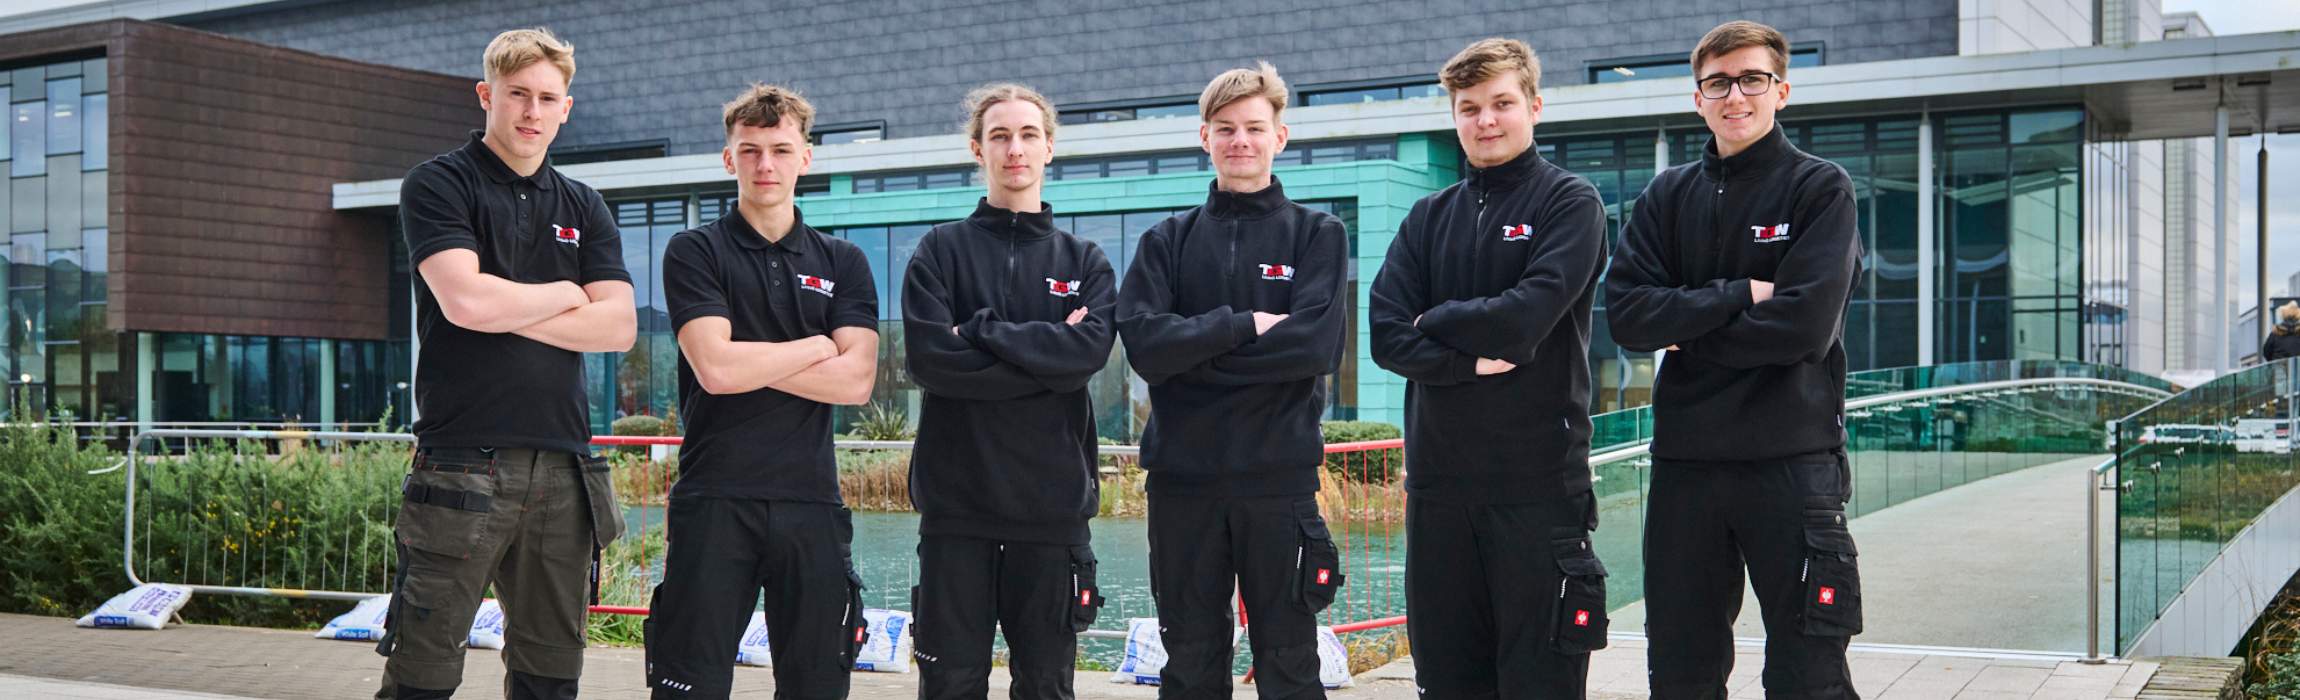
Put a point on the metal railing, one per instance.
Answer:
(1363, 495)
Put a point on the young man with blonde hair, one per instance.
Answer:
(1741, 264)
(777, 322)
(1483, 306)
(1006, 319)
(519, 272)
(1233, 313)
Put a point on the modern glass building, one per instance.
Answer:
(2016, 167)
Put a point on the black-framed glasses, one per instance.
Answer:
(1716, 87)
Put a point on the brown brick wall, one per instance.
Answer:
(223, 157)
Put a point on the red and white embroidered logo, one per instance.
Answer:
(1061, 288)
(1283, 273)
(567, 235)
(1828, 596)
(1581, 618)
(1520, 232)
(1086, 596)
(862, 633)
(817, 285)
(1770, 234)
(1325, 576)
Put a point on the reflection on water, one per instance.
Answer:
(886, 555)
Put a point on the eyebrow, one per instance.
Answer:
(1722, 74)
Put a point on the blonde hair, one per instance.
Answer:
(1740, 34)
(767, 106)
(981, 99)
(1243, 83)
(2289, 312)
(1487, 58)
(515, 50)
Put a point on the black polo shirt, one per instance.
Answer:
(476, 389)
(763, 444)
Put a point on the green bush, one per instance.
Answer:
(59, 524)
(640, 425)
(1369, 466)
(224, 514)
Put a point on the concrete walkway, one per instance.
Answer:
(45, 657)
(1994, 564)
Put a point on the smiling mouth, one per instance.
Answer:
(524, 131)
(1736, 116)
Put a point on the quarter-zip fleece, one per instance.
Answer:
(1501, 265)
(1232, 413)
(1006, 440)
(1749, 381)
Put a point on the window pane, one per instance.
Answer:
(1187, 109)
(901, 242)
(946, 179)
(95, 264)
(28, 129)
(63, 116)
(1181, 164)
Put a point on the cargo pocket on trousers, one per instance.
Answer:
(1318, 565)
(599, 491)
(1580, 603)
(853, 624)
(444, 504)
(1831, 575)
(1086, 600)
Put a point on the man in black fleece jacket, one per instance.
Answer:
(1743, 263)
(1483, 306)
(1233, 314)
(1006, 318)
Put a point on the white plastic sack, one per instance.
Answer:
(1333, 660)
(364, 623)
(146, 607)
(1146, 652)
(487, 627)
(888, 650)
(752, 650)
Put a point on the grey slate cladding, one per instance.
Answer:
(660, 69)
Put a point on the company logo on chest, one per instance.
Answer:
(1277, 273)
(567, 235)
(1061, 288)
(817, 285)
(1777, 233)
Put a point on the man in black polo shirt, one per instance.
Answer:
(1006, 318)
(1233, 313)
(1483, 306)
(1742, 263)
(519, 272)
(776, 322)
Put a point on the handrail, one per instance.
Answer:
(1632, 451)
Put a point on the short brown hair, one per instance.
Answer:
(768, 105)
(1242, 83)
(1740, 34)
(1487, 58)
(515, 50)
(981, 99)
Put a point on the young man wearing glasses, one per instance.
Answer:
(1741, 265)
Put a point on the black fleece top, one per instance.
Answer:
(1233, 413)
(1501, 265)
(1749, 381)
(1006, 445)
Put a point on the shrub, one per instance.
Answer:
(1368, 466)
